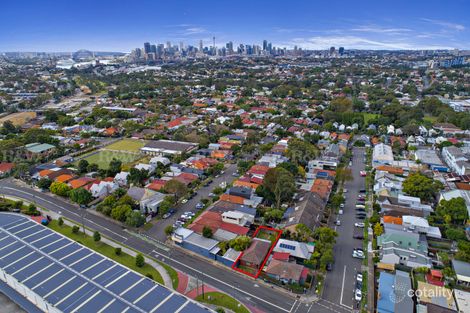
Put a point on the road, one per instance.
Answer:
(340, 282)
(158, 229)
(258, 296)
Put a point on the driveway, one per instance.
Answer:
(158, 229)
(340, 282)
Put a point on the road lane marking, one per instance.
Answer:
(62, 208)
(221, 281)
(342, 287)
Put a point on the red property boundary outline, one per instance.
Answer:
(234, 267)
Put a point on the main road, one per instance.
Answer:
(256, 295)
(340, 282)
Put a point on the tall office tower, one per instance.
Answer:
(332, 50)
(229, 47)
(160, 49)
(168, 45)
(181, 46)
(201, 46)
(270, 47)
(153, 49)
(147, 47)
(265, 45)
(341, 50)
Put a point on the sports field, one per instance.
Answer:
(103, 157)
(132, 145)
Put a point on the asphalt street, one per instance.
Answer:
(249, 291)
(158, 229)
(340, 282)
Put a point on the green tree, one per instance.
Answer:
(60, 189)
(96, 236)
(114, 167)
(139, 260)
(117, 251)
(280, 184)
(273, 215)
(120, 212)
(168, 230)
(240, 243)
(176, 187)
(44, 183)
(137, 177)
(135, 219)
(207, 232)
(300, 151)
(60, 221)
(453, 211)
(75, 229)
(83, 166)
(421, 186)
(80, 196)
(378, 229)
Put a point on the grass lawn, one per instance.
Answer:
(132, 145)
(369, 116)
(103, 157)
(106, 250)
(268, 235)
(222, 300)
(431, 119)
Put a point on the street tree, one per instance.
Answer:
(80, 196)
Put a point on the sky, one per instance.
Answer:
(116, 25)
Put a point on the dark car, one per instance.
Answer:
(362, 191)
(329, 267)
(358, 236)
(361, 217)
(360, 210)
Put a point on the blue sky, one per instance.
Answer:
(105, 25)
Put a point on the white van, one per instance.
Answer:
(360, 206)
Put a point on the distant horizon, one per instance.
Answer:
(49, 26)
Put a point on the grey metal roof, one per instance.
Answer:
(73, 278)
(461, 268)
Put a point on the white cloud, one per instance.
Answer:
(381, 30)
(449, 25)
(194, 30)
(356, 42)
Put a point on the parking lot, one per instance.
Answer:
(340, 282)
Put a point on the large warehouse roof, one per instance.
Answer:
(73, 278)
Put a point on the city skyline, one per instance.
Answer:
(119, 26)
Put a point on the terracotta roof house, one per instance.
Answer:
(64, 178)
(256, 253)
(6, 168)
(186, 178)
(80, 182)
(287, 272)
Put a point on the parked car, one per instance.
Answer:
(184, 201)
(360, 217)
(359, 277)
(363, 173)
(360, 206)
(235, 174)
(345, 190)
(360, 225)
(358, 254)
(172, 211)
(341, 205)
(338, 223)
(362, 191)
(340, 212)
(199, 206)
(329, 267)
(166, 215)
(358, 295)
(358, 236)
(189, 213)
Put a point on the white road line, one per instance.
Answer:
(224, 283)
(63, 208)
(342, 286)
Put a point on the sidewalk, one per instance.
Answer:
(163, 273)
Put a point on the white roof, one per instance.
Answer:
(415, 220)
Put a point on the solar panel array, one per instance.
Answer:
(74, 278)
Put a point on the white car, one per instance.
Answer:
(189, 213)
(360, 225)
(340, 212)
(184, 201)
(338, 223)
(358, 295)
(359, 277)
(341, 205)
(358, 254)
